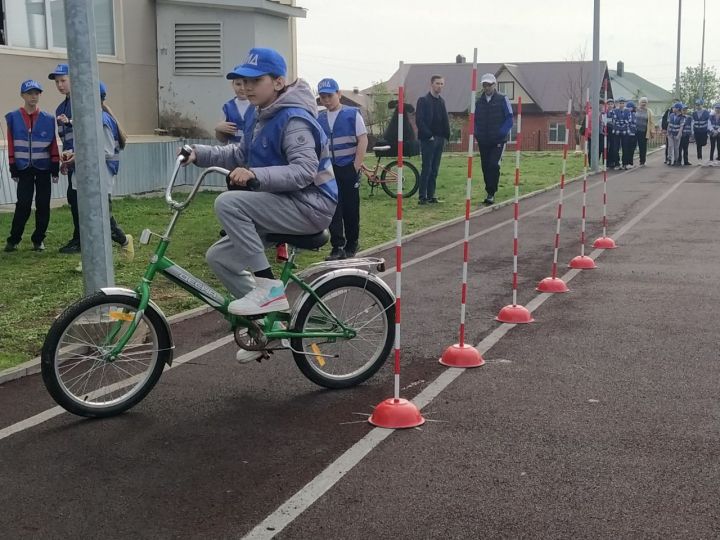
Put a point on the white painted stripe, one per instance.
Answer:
(317, 487)
(56, 411)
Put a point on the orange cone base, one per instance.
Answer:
(396, 414)
(462, 356)
(604, 242)
(582, 262)
(514, 314)
(552, 285)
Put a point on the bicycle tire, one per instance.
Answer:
(409, 180)
(381, 324)
(100, 319)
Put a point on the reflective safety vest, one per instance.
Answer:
(113, 161)
(65, 131)
(631, 123)
(32, 146)
(232, 114)
(620, 121)
(701, 121)
(675, 124)
(343, 141)
(264, 149)
(687, 126)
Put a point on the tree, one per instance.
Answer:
(690, 85)
(378, 111)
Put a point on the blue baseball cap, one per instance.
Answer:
(699, 101)
(621, 100)
(328, 86)
(103, 90)
(630, 104)
(60, 69)
(716, 106)
(260, 61)
(28, 85)
(678, 105)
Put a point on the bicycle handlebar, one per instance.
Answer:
(184, 154)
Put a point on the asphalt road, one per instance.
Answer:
(599, 420)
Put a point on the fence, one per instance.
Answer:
(144, 167)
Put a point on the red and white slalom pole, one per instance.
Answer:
(554, 284)
(514, 313)
(461, 354)
(395, 412)
(582, 262)
(605, 242)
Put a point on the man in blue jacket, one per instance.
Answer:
(433, 131)
(493, 122)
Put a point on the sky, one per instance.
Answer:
(361, 42)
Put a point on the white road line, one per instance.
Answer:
(314, 489)
(56, 411)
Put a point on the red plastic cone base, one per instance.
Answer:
(514, 314)
(396, 414)
(464, 356)
(582, 262)
(604, 242)
(552, 285)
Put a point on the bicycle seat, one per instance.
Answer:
(301, 241)
(381, 148)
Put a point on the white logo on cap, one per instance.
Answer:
(252, 59)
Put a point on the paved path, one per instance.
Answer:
(599, 420)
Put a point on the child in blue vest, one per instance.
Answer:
(629, 139)
(714, 134)
(238, 113)
(700, 127)
(286, 151)
(113, 142)
(348, 142)
(63, 116)
(34, 158)
(685, 138)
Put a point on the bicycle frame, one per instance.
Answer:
(204, 292)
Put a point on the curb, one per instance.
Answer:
(32, 367)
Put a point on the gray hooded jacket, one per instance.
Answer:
(297, 179)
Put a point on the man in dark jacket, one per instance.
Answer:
(493, 121)
(433, 130)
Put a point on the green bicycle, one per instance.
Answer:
(107, 351)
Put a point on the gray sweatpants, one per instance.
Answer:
(674, 147)
(247, 216)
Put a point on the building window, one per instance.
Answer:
(198, 49)
(507, 88)
(40, 24)
(556, 134)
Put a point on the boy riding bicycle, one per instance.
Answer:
(295, 192)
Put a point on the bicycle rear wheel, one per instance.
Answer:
(389, 177)
(75, 367)
(360, 304)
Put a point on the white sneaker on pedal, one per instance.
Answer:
(243, 356)
(267, 296)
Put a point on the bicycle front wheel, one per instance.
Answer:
(76, 368)
(360, 304)
(389, 177)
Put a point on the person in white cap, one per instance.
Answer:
(493, 122)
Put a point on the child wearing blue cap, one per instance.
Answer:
(286, 152)
(685, 135)
(714, 133)
(700, 127)
(63, 116)
(676, 121)
(348, 142)
(34, 158)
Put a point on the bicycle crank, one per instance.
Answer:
(251, 338)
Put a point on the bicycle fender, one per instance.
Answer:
(120, 291)
(332, 275)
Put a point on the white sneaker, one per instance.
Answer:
(243, 356)
(128, 248)
(267, 296)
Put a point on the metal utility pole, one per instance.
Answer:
(595, 92)
(702, 59)
(91, 174)
(677, 61)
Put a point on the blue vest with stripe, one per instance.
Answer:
(32, 147)
(675, 124)
(112, 162)
(65, 131)
(264, 149)
(631, 125)
(687, 126)
(343, 140)
(701, 121)
(232, 114)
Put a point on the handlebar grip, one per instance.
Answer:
(252, 185)
(185, 152)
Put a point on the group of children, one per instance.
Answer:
(628, 127)
(680, 126)
(35, 161)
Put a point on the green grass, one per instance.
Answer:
(38, 286)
